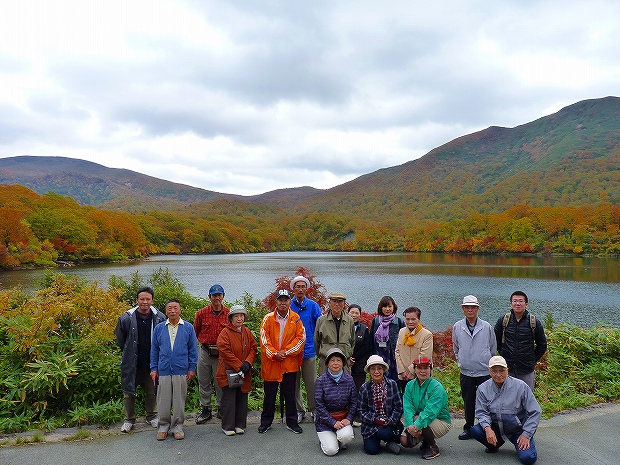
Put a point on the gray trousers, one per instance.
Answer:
(527, 378)
(207, 368)
(308, 373)
(171, 395)
(143, 378)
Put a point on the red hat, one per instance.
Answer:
(422, 361)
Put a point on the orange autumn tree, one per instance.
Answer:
(316, 291)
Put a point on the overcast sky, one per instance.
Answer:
(249, 96)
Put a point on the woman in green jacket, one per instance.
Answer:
(426, 414)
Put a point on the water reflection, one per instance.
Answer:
(583, 291)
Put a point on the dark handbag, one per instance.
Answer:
(213, 350)
(235, 380)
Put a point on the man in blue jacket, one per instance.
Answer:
(309, 311)
(174, 356)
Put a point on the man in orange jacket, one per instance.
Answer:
(282, 339)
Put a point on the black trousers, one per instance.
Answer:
(234, 408)
(287, 391)
(469, 385)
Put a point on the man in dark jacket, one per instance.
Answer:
(133, 335)
(520, 339)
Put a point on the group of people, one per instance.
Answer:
(401, 405)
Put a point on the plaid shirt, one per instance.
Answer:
(208, 325)
(366, 407)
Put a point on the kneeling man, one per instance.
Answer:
(506, 409)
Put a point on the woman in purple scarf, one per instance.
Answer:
(384, 333)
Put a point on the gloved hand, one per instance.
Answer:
(245, 367)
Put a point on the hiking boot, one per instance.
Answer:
(431, 453)
(204, 416)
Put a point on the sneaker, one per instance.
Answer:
(393, 447)
(204, 416)
(154, 422)
(263, 429)
(431, 453)
(295, 429)
(127, 427)
(357, 424)
(162, 435)
(179, 435)
(218, 415)
(300, 417)
(228, 432)
(239, 430)
(465, 435)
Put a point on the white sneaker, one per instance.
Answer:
(300, 417)
(154, 422)
(357, 424)
(126, 428)
(229, 433)
(239, 430)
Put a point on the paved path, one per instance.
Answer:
(588, 436)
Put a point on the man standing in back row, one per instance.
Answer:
(133, 335)
(473, 341)
(309, 312)
(208, 324)
(334, 329)
(520, 339)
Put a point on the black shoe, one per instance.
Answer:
(491, 450)
(423, 447)
(204, 416)
(295, 429)
(431, 453)
(465, 435)
(263, 429)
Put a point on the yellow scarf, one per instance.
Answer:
(409, 340)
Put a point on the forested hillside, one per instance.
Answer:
(549, 186)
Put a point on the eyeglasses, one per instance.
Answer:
(518, 301)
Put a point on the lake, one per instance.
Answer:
(582, 291)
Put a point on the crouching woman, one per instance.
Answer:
(335, 398)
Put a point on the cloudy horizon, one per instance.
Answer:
(245, 97)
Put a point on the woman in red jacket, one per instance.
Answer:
(237, 347)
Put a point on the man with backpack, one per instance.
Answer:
(520, 339)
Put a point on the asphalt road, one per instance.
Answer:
(588, 436)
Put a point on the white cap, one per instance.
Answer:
(470, 300)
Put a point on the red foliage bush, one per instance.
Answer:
(442, 347)
(316, 291)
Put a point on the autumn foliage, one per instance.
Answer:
(45, 230)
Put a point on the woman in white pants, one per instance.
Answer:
(336, 403)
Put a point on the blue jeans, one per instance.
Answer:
(372, 444)
(526, 456)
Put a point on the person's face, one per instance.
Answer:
(412, 321)
(387, 309)
(173, 312)
(283, 304)
(144, 301)
(336, 306)
(518, 305)
(335, 364)
(499, 374)
(376, 373)
(216, 300)
(238, 319)
(422, 372)
(300, 289)
(470, 311)
(355, 314)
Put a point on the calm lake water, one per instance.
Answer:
(582, 291)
